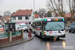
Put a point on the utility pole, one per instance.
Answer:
(34, 8)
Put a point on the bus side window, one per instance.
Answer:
(38, 25)
(33, 25)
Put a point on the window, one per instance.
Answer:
(38, 24)
(19, 18)
(54, 26)
(14, 18)
(26, 17)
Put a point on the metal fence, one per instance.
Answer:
(6, 35)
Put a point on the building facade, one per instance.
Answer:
(22, 16)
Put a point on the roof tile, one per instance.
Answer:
(22, 12)
(36, 15)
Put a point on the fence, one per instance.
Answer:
(11, 36)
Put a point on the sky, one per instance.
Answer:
(14, 5)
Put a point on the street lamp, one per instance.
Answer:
(34, 5)
(34, 8)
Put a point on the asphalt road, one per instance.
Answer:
(37, 43)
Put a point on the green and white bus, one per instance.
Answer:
(49, 27)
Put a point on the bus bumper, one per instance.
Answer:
(48, 36)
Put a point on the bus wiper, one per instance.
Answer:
(60, 25)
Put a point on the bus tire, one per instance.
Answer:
(58, 38)
(35, 33)
(41, 35)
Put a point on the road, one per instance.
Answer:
(37, 43)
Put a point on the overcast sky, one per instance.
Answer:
(14, 5)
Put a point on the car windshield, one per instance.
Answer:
(54, 26)
(23, 25)
(20, 27)
(72, 26)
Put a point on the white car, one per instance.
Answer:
(24, 27)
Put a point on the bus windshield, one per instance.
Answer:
(54, 26)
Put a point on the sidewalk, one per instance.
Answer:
(26, 38)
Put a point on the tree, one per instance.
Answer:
(42, 12)
(36, 12)
(49, 14)
(72, 9)
(56, 6)
(7, 13)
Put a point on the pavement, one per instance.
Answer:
(26, 39)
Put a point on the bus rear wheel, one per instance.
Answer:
(35, 33)
(58, 38)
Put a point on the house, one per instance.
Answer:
(22, 16)
(36, 16)
(0, 20)
(5, 19)
(67, 17)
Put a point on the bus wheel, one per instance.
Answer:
(41, 35)
(35, 33)
(58, 38)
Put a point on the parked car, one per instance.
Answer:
(23, 26)
(1, 28)
(72, 28)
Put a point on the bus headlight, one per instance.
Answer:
(44, 32)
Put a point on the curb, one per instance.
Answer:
(17, 43)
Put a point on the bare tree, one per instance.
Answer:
(56, 6)
(42, 12)
(72, 9)
(7, 13)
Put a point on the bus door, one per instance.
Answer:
(38, 28)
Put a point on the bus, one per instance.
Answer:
(49, 27)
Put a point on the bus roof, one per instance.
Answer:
(39, 20)
(44, 19)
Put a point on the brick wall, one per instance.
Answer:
(6, 40)
(17, 38)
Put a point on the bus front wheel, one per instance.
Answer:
(41, 35)
(35, 33)
(58, 38)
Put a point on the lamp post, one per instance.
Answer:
(34, 5)
(34, 8)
